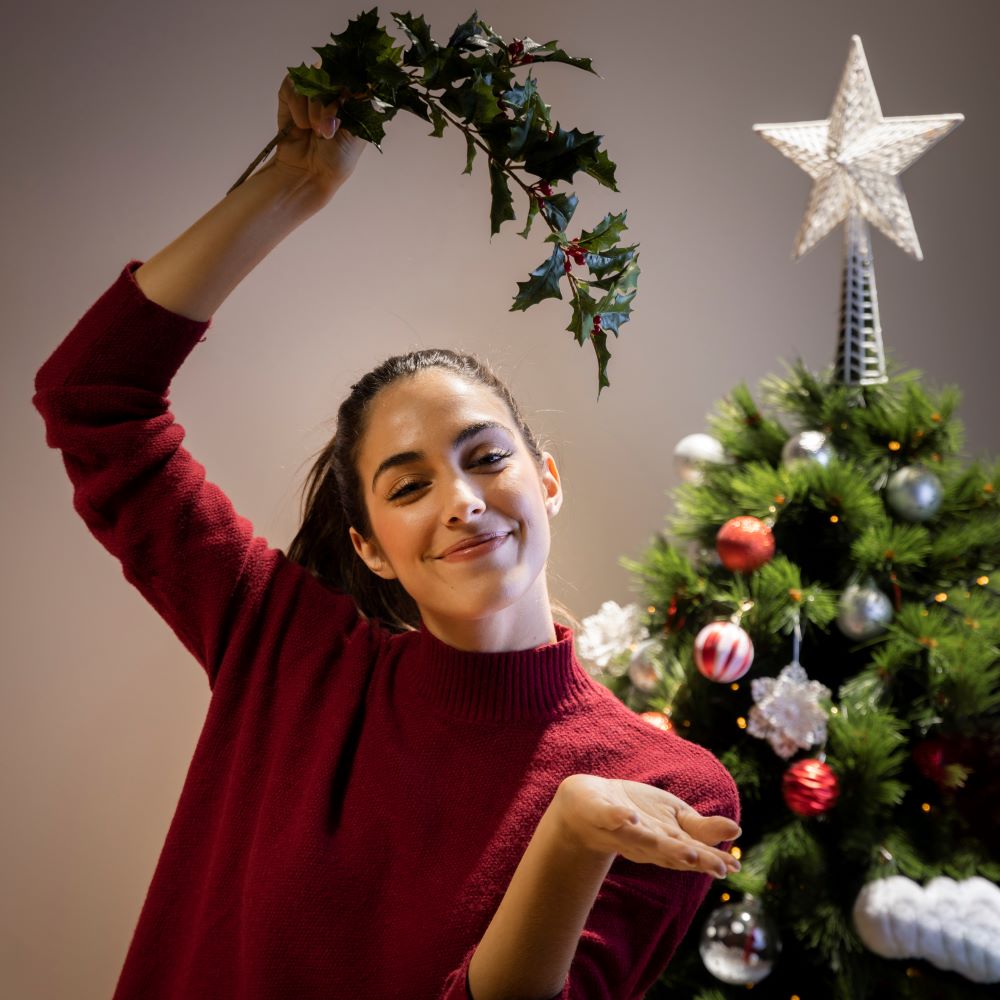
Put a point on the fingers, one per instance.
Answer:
(308, 113)
(707, 829)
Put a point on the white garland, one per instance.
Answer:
(953, 925)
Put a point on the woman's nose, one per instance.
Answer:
(463, 501)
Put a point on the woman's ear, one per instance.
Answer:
(551, 484)
(371, 555)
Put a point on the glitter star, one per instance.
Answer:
(854, 158)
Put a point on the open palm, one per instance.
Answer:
(644, 823)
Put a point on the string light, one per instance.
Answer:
(734, 686)
(725, 897)
(736, 852)
(741, 722)
(988, 488)
(941, 598)
(936, 417)
(894, 446)
(925, 807)
(651, 609)
(983, 580)
(834, 519)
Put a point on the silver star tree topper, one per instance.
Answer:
(854, 159)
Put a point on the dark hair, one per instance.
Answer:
(332, 494)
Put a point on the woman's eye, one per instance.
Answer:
(405, 489)
(492, 457)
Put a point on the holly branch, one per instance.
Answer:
(470, 84)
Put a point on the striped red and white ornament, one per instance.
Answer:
(723, 652)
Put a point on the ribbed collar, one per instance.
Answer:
(526, 684)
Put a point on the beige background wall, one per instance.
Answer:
(124, 121)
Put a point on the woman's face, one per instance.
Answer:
(459, 510)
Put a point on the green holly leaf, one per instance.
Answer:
(600, 168)
(473, 101)
(543, 282)
(361, 119)
(615, 308)
(558, 209)
(584, 308)
(470, 153)
(600, 341)
(532, 212)
(407, 99)
(501, 203)
(561, 155)
(547, 52)
(611, 262)
(419, 33)
(313, 81)
(439, 121)
(469, 35)
(605, 234)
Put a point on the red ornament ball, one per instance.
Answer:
(723, 652)
(810, 787)
(744, 543)
(658, 720)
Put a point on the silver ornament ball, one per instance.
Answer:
(739, 944)
(807, 446)
(694, 452)
(914, 493)
(865, 611)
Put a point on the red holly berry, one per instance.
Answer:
(567, 266)
(527, 59)
(597, 322)
(545, 188)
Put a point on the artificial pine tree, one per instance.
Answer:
(825, 617)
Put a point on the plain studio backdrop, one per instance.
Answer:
(126, 121)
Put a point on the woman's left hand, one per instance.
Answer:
(643, 823)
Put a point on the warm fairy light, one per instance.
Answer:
(779, 498)
(686, 723)
(941, 598)
(834, 710)
(651, 609)
(736, 852)
(734, 686)
(936, 417)
(772, 509)
(988, 488)
(924, 613)
(983, 580)
(725, 897)
(741, 722)
(794, 996)
(925, 806)
(834, 519)
(894, 446)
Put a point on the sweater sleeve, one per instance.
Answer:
(640, 916)
(103, 394)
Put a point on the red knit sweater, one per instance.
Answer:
(357, 802)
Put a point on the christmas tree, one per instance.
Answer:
(825, 617)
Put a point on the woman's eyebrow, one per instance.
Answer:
(406, 457)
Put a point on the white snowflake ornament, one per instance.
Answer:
(787, 711)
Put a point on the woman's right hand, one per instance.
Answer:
(314, 144)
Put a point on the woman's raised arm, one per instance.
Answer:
(195, 273)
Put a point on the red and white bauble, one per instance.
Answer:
(723, 652)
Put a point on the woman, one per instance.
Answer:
(410, 789)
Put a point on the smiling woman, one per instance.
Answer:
(406, 785)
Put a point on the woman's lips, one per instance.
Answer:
(472, 548)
